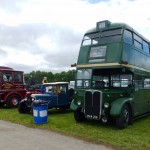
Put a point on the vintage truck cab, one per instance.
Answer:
(12, 87)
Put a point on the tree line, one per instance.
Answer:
(36, 77)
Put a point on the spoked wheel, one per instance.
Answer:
(79, 116)
(124, 119)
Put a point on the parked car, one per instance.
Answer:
(57, 94)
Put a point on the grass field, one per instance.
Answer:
(135, 137)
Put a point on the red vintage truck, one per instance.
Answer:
(12, 87)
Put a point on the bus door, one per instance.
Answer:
(139, 101)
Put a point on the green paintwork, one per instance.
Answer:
(119, 56)
(110, 57)
(73, 106)
(117, 51)
(83, 52)
(118, 104)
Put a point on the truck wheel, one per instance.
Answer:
(78, 115)
(123, 120)
(13, 101)
(2, 104)
(23, 107)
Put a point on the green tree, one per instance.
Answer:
(35, 77)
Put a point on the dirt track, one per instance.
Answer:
(17, 137)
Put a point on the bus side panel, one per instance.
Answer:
(139, 102)
(147, 99)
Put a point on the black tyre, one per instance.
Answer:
(23, 107)
(78, 115)
(13, 101)
(2, 105)
(123, 120)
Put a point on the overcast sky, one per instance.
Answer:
(45, 35)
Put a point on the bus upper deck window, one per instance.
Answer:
(137, 44)
(111, 32)
(109, 36)
(127, 36)
(91, 38)
(86, 41)
(145, 47)
(94, 41)
(138, 41)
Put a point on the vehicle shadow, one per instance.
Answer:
(58, 111)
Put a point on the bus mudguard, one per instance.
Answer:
(73, 106)
(117, 105)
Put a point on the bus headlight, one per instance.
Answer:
(79, 102)
(106, 105)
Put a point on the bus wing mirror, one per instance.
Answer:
(73, 65)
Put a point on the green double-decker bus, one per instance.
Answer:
(112, 75)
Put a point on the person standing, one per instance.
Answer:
(44, 80)
(42, 89)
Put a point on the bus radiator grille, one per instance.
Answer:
(92, 105)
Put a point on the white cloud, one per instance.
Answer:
(21, 57)
(45, 42)
(46, 34)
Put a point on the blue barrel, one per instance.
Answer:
(40, 111)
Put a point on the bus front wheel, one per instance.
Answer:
(78, 115)
(123, 120)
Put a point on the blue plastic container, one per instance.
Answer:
(40, 112)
